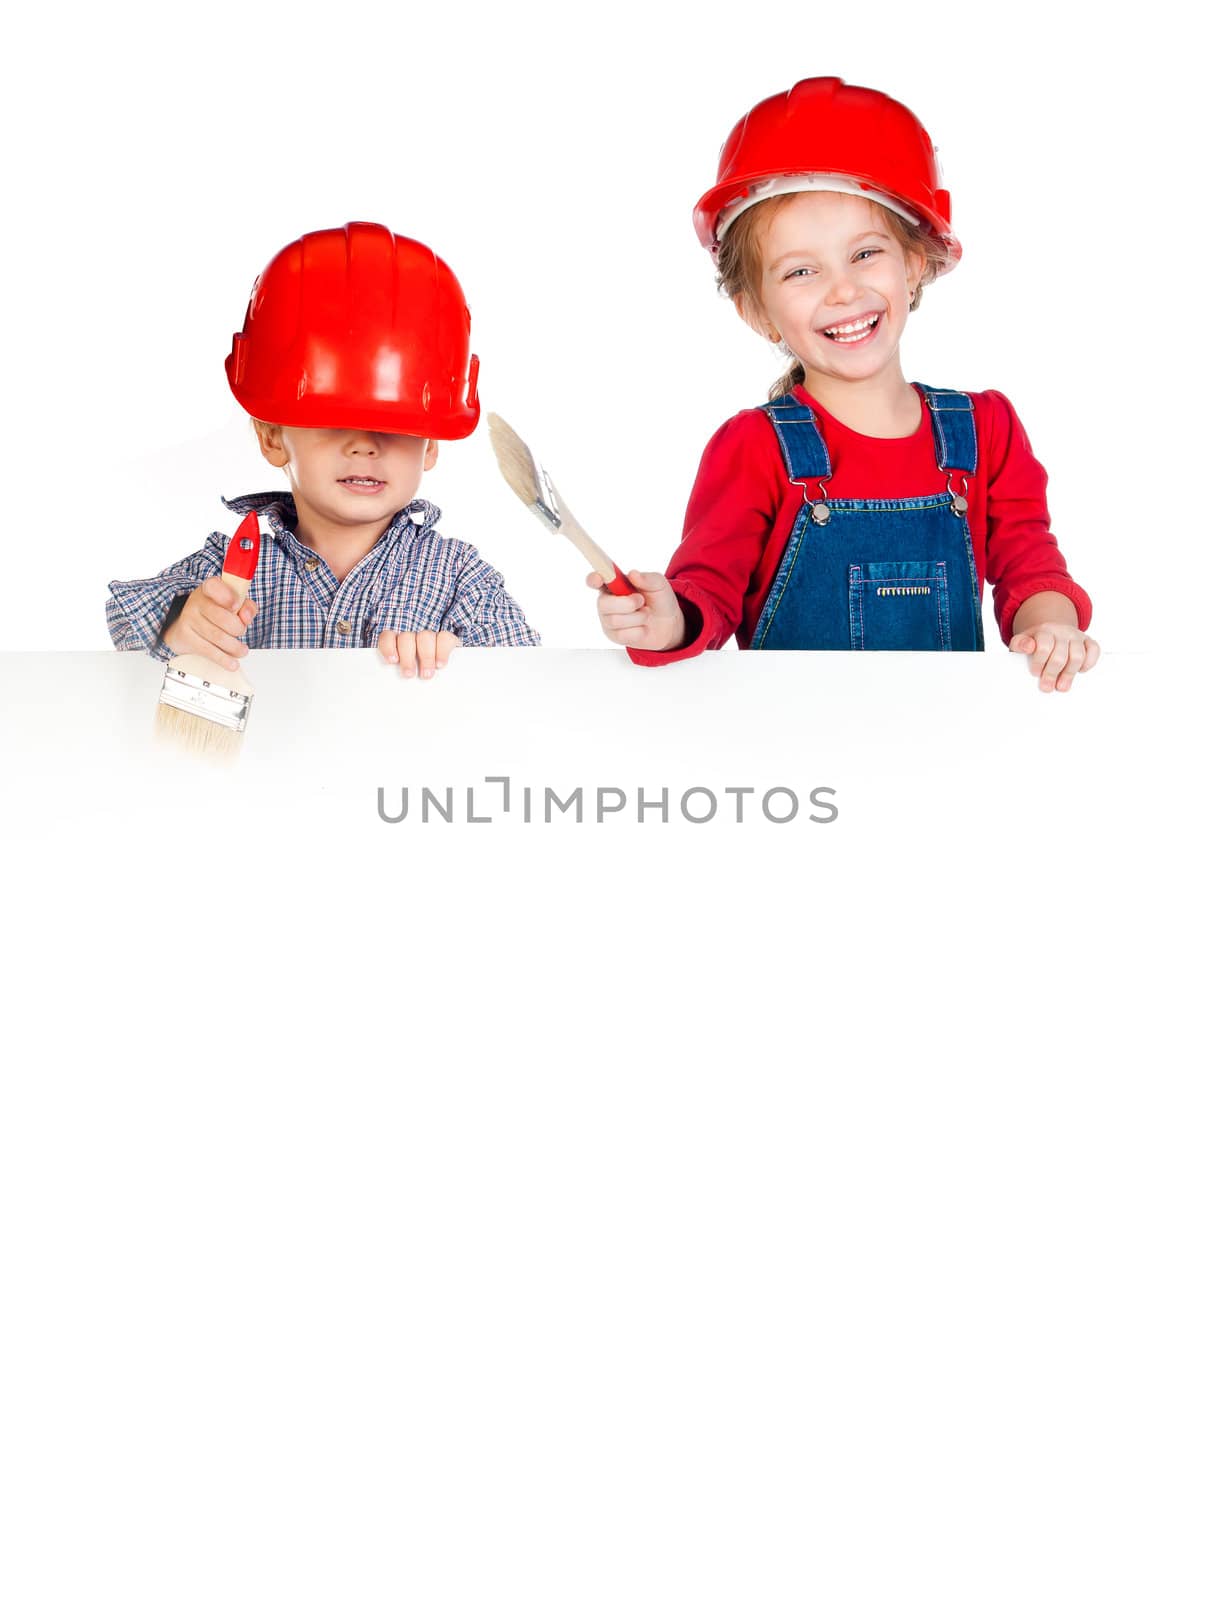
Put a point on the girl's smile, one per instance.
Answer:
(853, 332)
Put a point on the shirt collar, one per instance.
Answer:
(282, 517)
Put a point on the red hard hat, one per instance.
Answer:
(825, 134)
(357, 327)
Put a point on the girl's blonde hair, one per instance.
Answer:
(740, 263)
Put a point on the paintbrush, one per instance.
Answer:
(202, 706)
(529, 481)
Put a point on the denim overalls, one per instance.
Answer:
(876, 574)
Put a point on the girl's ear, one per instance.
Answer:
(916, 265)
(754, 318)
(431, 451)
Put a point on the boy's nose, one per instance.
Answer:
(362, 444)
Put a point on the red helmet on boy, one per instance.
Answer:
(357, 327)
(826, 134)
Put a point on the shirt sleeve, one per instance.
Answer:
(137, 607)
(731, 511)
(482, 612)
(1022, 557)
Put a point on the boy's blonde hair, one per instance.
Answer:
(740, 263)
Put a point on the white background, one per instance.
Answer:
(553, 157)
(515, 1212)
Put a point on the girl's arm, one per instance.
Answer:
(1022, 556)
(1046, 630)
(1039, 610)
(1042, 613)
(730, 511)
(651, 621)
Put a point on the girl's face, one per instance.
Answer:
(835, 285)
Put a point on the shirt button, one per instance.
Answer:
(343, 626)
(313, 564)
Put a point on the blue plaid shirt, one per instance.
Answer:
(412, 579)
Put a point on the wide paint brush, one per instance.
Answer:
(204, 706)
(529, 481)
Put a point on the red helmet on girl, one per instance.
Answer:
(825, 134)
(357, 327)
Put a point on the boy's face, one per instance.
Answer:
(345, 477)
(835, 284)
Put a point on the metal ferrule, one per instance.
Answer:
(546, 504)
(184, 692)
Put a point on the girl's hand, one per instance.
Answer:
(423, 652)
(212, 624)
(651, 619)
(1057, 652)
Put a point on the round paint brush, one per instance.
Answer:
(530, 482)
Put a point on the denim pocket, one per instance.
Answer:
(899, 605)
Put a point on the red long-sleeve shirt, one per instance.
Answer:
(742, 509)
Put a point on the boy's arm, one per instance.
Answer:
(482, 612)
(139, 610)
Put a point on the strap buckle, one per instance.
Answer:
(960, 501)
(820, 512)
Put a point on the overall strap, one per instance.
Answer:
(801, 444)
(953, 429)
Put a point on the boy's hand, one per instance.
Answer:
(212, 624)
(418, 652)
(1057, 653)
(651, 619)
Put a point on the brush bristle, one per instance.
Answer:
(515, 460)
(186, 730)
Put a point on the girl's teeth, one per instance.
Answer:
(848, 332)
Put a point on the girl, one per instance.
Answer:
(855, 510)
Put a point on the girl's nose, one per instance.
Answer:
(842, 288)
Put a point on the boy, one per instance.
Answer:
(357, 344)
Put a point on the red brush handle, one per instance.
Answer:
(243, 550)
(620, 584)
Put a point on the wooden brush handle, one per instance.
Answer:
(211, 671)
(243, 552)
(239, 585)
(615, 580)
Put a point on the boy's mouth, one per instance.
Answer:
(854, 332)
(362, 485)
